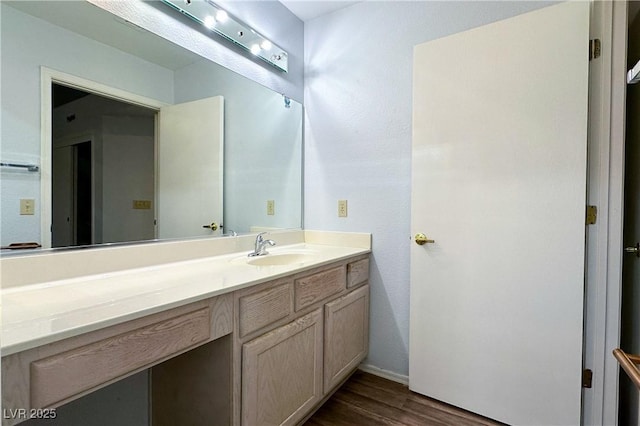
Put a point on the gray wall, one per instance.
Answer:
(358, 94)
(128, 174)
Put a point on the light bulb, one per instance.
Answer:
(222, 16)
(209, 22)
(266, 45)
(255, 49)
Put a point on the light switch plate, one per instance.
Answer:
(271, 207)
(142, 204)
(27, 206)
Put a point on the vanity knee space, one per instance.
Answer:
(51, 375)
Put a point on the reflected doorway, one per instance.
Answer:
(103, 169)
(72, 195)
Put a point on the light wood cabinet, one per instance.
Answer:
(265, 305)
(319, 286)
(357, 272)
(282, 373)
(346, 341)
(63, 375)
(287, 369)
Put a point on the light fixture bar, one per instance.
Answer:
(216, 19)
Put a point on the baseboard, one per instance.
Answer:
(386, 374)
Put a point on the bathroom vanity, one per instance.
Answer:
(227, 339)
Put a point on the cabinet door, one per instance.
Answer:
(282, 373)
(346, 340)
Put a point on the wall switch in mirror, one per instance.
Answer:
(142, 204)
(271, 207)
(27, 206)
(342, 208)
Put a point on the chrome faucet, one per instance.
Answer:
(261, 246)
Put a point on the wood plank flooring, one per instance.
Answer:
(370, 400)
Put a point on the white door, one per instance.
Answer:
(499, 181)
(190, 157)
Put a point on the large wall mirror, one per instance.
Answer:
(134, 138)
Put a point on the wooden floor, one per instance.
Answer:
(370, 400)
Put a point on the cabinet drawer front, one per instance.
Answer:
(346, 331)
(260, 309)
(314, 288)
(61, 376)
(357, 272)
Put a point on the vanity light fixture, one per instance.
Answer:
(216, 19)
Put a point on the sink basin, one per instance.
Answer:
(279, 259)
(280, 256)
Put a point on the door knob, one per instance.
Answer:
(213, 226)
(635, 249)
(422, 239)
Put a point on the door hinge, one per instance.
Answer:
(595, 48)
(587, 378)
(592, 215)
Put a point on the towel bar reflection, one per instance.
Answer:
(29, 167)
(629, 364)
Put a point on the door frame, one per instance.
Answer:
(605, 189)
(49, 76)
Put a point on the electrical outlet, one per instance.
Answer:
(271, 207)
(27, 206)
(342, 208)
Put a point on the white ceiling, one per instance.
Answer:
(310, 9)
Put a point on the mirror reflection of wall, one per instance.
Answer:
(263, 148)
(263, 138)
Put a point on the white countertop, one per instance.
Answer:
(37, 314)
